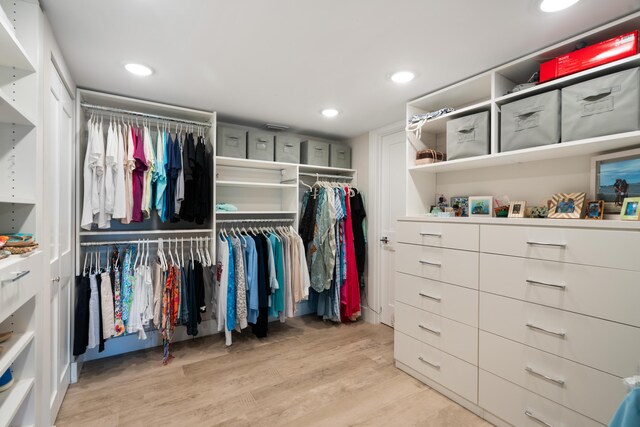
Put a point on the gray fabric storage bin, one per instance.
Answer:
(603, 106)
(468, 136)
(260, 145)
(340, 156)
(231, 142)
(314, 153)
(530, 122)
(287, 149)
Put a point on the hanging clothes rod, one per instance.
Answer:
(150, 241)
(139, 114)
(238, 221)
(321, 175)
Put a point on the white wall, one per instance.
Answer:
(535, 182)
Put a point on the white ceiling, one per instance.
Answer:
(282, 61)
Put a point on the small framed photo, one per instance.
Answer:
(630, 209)
(567, 205)
(461, 205)
(614, 177)
(595, 209)
(481, 206)
(517, 209)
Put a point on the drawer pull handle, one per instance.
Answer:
(551, 285)
(548, 331)
(543, 376)
(438, 299)
(423, 360)
(556, 245)
(423, 262)
(433, 331)
(536, 419)
(19, 275)
(431, 234)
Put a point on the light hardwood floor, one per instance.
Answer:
(306, 373)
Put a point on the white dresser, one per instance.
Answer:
(525, 322)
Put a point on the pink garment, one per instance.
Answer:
(138, 175)
(350, 291)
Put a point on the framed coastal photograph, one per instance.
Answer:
(567, 205)
(517, 209)
(481, 206)
(630, 209)
(614, 177)
(460, 205)
(595, 209)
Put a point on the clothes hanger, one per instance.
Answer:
(84, 267)
(182, 250)
(209, 262)
(170, 253)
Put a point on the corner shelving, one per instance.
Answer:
(13, 347)
(13, 53)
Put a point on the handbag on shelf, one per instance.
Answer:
(424, 157)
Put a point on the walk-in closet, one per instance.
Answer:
(320, 213)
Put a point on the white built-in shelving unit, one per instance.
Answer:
(489, 92)
(20, 207)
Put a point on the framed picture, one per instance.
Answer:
(630, 209)
(537, 211)
(517, 209)
(615, 177)
(567, 205)
(595, 209)
(461, 204)
(481, 206)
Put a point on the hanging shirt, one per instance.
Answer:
(168, 204)
(180, 179)
(87, 175)
(110, 161)
(251, 274)
(138, 176)
(100, 217)
(161, 173)
(231, 290)
(130, 165)
(240, 284)
(119, 196)
(222, 281)
(148, 174)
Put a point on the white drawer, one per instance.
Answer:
(16, 291)
(596, 291)
(583, 389)
(448, 371)
(604, 345)
(444, 265)
(447, 335)
(453, 236)
(450, 301)
(603, 248)
(512, 404)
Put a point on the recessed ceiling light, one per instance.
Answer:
(556, 5)
(402, 77)
(330, 112)
(139, 69)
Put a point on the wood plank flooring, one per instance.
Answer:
(306, 373)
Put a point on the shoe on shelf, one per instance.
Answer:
(4, 336)
(6, 381)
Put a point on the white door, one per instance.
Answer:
(58, 142)
(392, 204)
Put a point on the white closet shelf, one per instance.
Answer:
(252, 164)
(439, 124)
(10, 113)
(581, 147)
(18, 200)
(467, 92)
(612, 67)
(13, 348)
(326, 169)
(244, 184)
(257, 213)
(12, 399)
(144, 232)
(608, 224)
(13, 54)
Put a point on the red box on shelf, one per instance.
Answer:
(590, 56)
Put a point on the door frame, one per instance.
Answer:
(373, 312)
